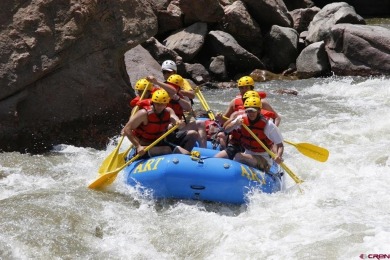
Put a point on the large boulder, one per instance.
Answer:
(302, 18)
(282, 47)
(313, 61)
(208, 11)
(237, 58)
(373, 8)
(188, 41)
(330, 15)
(238, 22)
(269, 12)
(62, 72)
(360, 50)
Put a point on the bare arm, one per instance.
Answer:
(279, 153)
(184, 103)
(174, 119)
(171, 90)
(188, 93)
(232, 123)
(230, 109)
(187, 90)
(140, 117)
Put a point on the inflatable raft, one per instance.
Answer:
(201, 177)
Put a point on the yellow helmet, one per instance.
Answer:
(176, 79)
(250, 93)
(252, 102)
(160, 96)
(245, 81)
(142, 84)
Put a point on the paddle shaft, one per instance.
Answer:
(151, 145)
(204, 103)
(114, 154)
(104, 179)
(309, 150)
(292, 175)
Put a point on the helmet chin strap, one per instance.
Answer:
(155, 111)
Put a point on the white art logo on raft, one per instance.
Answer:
(375, 256)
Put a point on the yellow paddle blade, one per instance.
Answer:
(310, 150)
(109, 177)
(118, 161)
(114, 159)
(109, 162)
(103, 180)
(112, 162)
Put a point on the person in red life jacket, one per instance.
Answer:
(245, 84)
(212, 128)
(221, 136)
(251, 93)
(139, 87)
(188, 136)
(254, 154)
(169, 68)
(147, 125)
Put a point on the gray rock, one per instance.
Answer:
(313, 61)
(330, 15)
(359, 50)
(62, 73)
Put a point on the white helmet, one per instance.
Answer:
(169, 65)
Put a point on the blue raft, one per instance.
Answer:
(177, 176)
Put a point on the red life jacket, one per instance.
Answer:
(175, 104)
(235, 137)
(134, 101)
(145, 104)
(157, 125)
(211, 128)
(268, 114)
(257, 128)
(238, 104)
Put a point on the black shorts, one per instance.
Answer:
(231, 150)
(176, 139)
(147, 155)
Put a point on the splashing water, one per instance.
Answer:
(48, 212)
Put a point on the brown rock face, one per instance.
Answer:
(62, 72)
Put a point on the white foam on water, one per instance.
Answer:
(49, 212)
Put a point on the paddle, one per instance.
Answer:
(310, 150)
(307, 149)
(107, 178)
(204, 103)
(292, 175)
(114, 159)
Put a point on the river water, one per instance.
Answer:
(47, 211)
